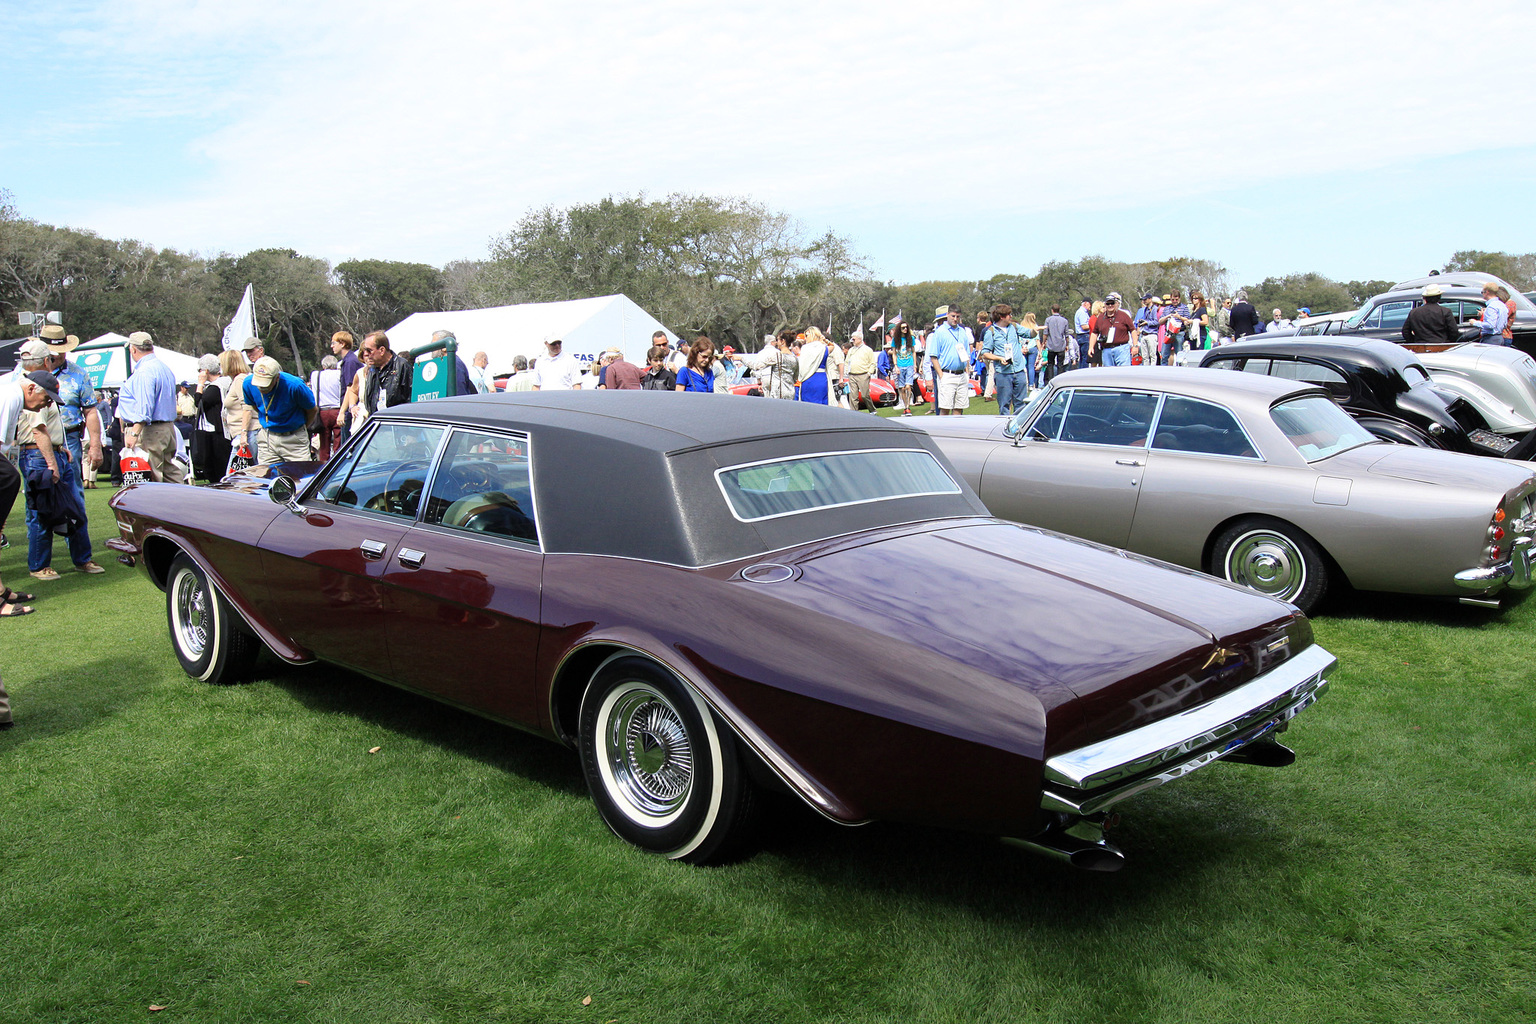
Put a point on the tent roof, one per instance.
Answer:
(587, 326)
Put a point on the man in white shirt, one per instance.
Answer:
(480, 375)
(556, 372)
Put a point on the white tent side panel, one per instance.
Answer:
(586, 326)
(90, 357)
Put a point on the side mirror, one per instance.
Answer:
(284, 491)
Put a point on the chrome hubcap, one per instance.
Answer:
(647, 751)
(191, 615)
(1267, 562)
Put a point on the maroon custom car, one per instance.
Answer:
(709, 596)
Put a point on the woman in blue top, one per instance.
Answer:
(699, 373)
(815, 364)
(906, 365)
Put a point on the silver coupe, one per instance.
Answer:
(1261, 481)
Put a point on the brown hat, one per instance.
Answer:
(250, 343)
(52, 332)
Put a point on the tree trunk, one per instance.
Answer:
(297, 361)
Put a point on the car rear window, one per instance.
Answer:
(807, 483)
(1318, 428)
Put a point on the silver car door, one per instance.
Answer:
(1078, 468)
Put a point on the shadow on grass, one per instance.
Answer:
(1364, 605)
(332, 690)
(62, 702)
(1170, 851)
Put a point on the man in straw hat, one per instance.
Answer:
(77, 405)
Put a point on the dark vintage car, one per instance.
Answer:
(706, 596)
(1382, 385)
(1382, 315)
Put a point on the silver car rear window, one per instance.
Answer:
(807, 483)
(1318, 428)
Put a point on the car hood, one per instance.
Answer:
(1439, 468)
(1131, 638)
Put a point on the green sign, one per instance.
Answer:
(431, 379)
(94, 365)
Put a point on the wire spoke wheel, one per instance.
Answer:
(191, 614)
(647, 752)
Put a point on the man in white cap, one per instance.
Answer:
(147, 408)
(46, 466)
(32, 356)
(556, 372)
(286, 408)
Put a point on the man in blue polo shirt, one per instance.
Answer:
(949, 350)
(286, 408)
(147, 409)
(1004, 349)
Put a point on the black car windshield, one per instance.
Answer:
(1318, 428)
(784, 487)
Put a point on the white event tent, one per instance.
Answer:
(586, 327)
(105, 361)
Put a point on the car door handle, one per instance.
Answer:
(411, 558)
(1127, 462)
(373, 550)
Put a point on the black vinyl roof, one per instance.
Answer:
(631, 473)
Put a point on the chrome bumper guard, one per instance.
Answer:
(1089, 779)
(1515, 573)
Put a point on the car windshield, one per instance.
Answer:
(785, 487)
(1013, 426)
(1359, 315)
(1318, 428)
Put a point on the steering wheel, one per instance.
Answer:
(472, 479)
(396, 501)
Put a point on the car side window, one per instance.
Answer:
(1372, 319)
(1312, 373)
(1394, 313)
(1190, 425)
(388, 473)
(483, 485)
(1048, 426)
(1122, 418)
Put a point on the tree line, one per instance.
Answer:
(731, 268)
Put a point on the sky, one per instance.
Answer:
(950, 142)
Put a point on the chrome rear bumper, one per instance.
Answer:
(1089, 779)
(1514, 573)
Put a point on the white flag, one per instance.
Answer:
(242, 326)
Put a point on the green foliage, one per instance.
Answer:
(1518, 270)
(381, 293)
(1290, 293)
(731, 268)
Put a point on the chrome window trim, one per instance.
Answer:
(533, 490)
(369, 429)
(1258, 455)
(720, 483)
(1092, 777)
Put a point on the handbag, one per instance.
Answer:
(241, 459)
(136, 466)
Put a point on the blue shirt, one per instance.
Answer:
(693, 380)
(149, 394)
(1494, 316)
(1146, 320)
(1080, 322)
(1005, 341)
(75, 395)
(950, 346)
(285, 408)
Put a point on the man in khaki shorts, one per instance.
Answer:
(949, 349)
(286, 408)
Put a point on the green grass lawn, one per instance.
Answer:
(237, 854)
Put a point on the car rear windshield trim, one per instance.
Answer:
(828, 480)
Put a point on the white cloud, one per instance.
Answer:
(412, 131)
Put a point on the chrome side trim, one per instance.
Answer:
(1091, 778)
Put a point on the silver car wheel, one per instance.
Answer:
(647, 754)
(191, 614)
(1268, 562)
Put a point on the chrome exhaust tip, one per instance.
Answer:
(1080, 842)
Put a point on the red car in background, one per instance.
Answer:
(881, 390)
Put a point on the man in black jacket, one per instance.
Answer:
(389, 375)
(1431, 323)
